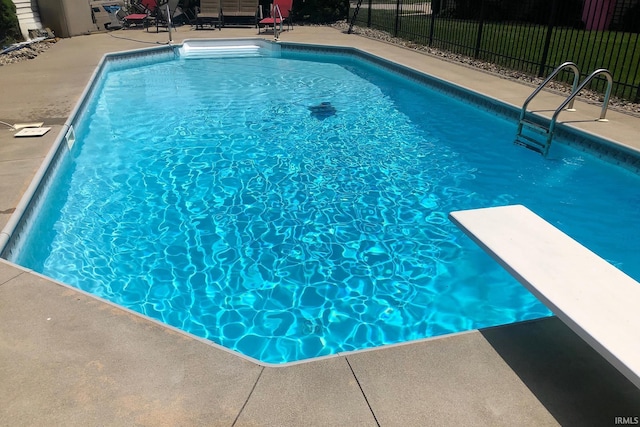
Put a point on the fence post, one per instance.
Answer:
(547, 41)
(476, 53)
(369, 15)
(433, 22)
(395, 30)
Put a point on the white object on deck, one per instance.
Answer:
(596, 300)
(26, 132)
(18, 126)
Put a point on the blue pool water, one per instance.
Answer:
(204, 193)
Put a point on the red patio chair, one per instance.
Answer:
(280, 12)
(144, 11)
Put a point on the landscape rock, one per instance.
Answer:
(592, 97)
(25, 53)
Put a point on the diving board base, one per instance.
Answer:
(600, 303)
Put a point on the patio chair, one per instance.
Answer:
(134, 20)
(148, 5)
(162, 16)
(240, 11)
(189, 16)
(209, 14)
(280, 14)
(141, 13)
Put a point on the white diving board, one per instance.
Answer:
(596, 300)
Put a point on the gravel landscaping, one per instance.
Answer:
(591, 97)
(27, 52)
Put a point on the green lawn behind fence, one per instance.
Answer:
(520, 46)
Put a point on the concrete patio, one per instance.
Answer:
(67, 358)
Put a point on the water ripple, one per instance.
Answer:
(240, 217)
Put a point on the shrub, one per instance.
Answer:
(319, 11)
(9, 28)
(631, 20)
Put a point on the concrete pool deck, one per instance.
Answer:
(67, 358)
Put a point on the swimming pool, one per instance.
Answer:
(293, 235)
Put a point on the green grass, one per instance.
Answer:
(520, 46)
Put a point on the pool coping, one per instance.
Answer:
(19, 221)
(241, 355)
(89, 362)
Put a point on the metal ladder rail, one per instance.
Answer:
(576, 78)
(570, 98)
(353, 18)
(169, 23)
(276, 11)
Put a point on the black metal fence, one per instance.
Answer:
(534, 36)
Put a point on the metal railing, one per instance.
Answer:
(169, 23)
(570, 98)
(543, 148)
(532, 36)
(276, 12)
(576, 78)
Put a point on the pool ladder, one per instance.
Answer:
(530, 130)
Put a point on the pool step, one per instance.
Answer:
(226, 48)
(534, 136)
(530, 143)
(222, 51)
(536, 127)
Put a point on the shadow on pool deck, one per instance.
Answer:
(67, 358)
(564, 373)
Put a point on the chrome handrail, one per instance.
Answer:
(169, 23)
(570, 98)
(576, 77)
(276, 8)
